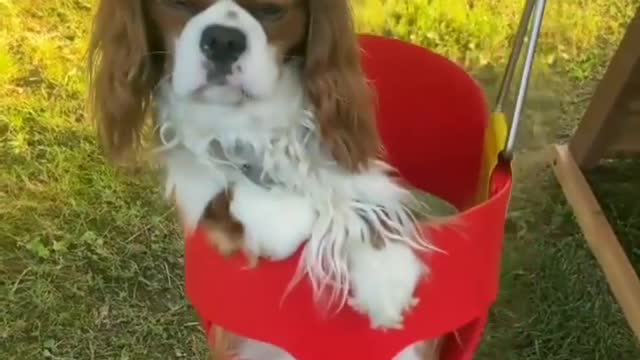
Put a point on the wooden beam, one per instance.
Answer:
(627, 142)
(604, 119)
(604, 244)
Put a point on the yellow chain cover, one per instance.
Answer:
(494, 142)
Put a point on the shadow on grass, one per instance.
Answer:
(91, 259)
(616, 184)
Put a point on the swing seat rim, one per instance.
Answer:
(347, 323)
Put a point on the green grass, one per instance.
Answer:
(479, 33)
(91, 264)
(91, 258)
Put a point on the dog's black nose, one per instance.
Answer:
(222, 43)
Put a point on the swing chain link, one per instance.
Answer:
(537, 9)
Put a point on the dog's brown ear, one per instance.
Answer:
(122, 76)
(337, 86)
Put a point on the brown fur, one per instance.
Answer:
(287, 35)
(337, 87)
(226, 235)
(122, 75)
(430, 350)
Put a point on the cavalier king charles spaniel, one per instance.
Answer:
(266, 128)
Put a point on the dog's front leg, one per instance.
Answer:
(276, 221)
(383, 281)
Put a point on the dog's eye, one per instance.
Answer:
(184, 5)
(269, 12)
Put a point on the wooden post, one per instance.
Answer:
(601, 238)
(610, 125)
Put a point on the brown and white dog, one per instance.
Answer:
(268, 138)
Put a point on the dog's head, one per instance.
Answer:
(220, 51)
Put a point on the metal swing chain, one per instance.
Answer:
(535, 8)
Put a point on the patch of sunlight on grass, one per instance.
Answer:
(480, 32)
(8, 66)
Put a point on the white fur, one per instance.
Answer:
(383, 278)
(262, 117)
(411, 352)
(256, 72)
(258, 350)
(193, 184)
(276, 222)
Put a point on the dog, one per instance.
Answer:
(265, 125)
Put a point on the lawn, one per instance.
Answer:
(91, 257)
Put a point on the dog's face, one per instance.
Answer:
(222, 51)
(226, 50)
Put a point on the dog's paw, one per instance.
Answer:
(276, 222)
(383, 282)
(384, 318)
(385, 315)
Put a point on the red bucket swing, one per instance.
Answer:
(438, 133)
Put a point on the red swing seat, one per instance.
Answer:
(432, 119)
